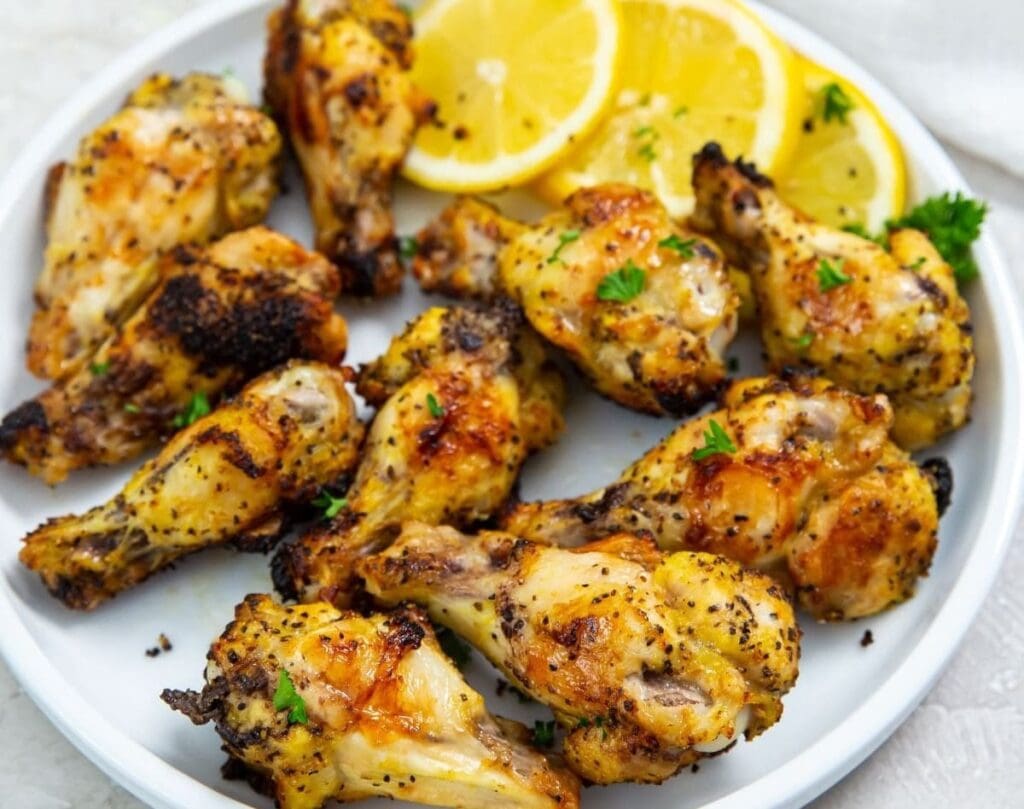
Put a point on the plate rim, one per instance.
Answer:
(830, 757)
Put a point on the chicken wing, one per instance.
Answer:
(648, 660)
(384, 713)
(184, 161)
(446, 447)
(875, 321)
(226, 478)
(800, 478)
(220, 316)
(336, 74)
(644, 309)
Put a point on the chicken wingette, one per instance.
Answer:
(648, 660)
(467, 395)
(220, 316)
(186, 160)
(336, 77)
(794, 476)
(375, 708)
(873, 320)
(227, 478)
(642, 307)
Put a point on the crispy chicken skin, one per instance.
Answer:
(388, 715)
(186, 160)
(648, 660)
(457, 465)
(336, 74)
(898, 327)
(220, 316)
(227, 477)
(815, 493)
(661, 352)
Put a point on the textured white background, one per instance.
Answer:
(964, 747)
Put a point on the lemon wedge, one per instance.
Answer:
(848, 167)
(691, 71)
(516, 83)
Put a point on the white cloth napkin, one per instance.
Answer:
(958, 65)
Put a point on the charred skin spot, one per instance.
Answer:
(713, 156)
(253, 337)
(932, 290)
(362, 90)
(25, 418)
(199, 706)
(234, 450)
(405, 633)
(940, 477)
(365, 273)
(283, 572)
(612, 498)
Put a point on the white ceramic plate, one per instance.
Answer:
(89, 672)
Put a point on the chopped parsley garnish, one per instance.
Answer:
(858, 229)
(408, 246)
(405, 9)
(131, 407)
(453, 646)
(831, 275)
(434, 406)
(732, 364)
(99, 368)
(197, 407)
(622, 285)
(644, 100)
(917, 264)
(803, 342)
(680, 111)
(287, 697)
(953, 223)
(583, 723)
(644, 131)
(267, 110)
(835, 103)
(716, 442)
(683, 247)
(544, 733)
(564, 238)
(647, 152)
(330, 504)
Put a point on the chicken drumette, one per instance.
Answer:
(184, 161)
(643, 308)
(228, 477)
(467, 395)
(795, 476)
(220, 316)
(875, 321)
(648, 660)
(383, 713)
(336, 75)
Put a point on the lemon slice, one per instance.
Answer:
(848, 169)
(516, 82)
(691, 71)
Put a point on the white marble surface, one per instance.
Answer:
(964, 747)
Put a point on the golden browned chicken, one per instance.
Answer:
(873, 320)
(318, 704)
(795, 476)
(186, 160)
(220, 316)
(648, 660)
(336, 74)
(226, 478)
(464, 407)
(642, 307)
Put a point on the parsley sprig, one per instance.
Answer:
(716, 442)
(197, 407)
(623, 284)
(831, 275)
(330, 504)
(564, 238)
(285, 696)
(99, 368)
(835, 103)
(408, 246)
(683, 247)
(952, 222)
